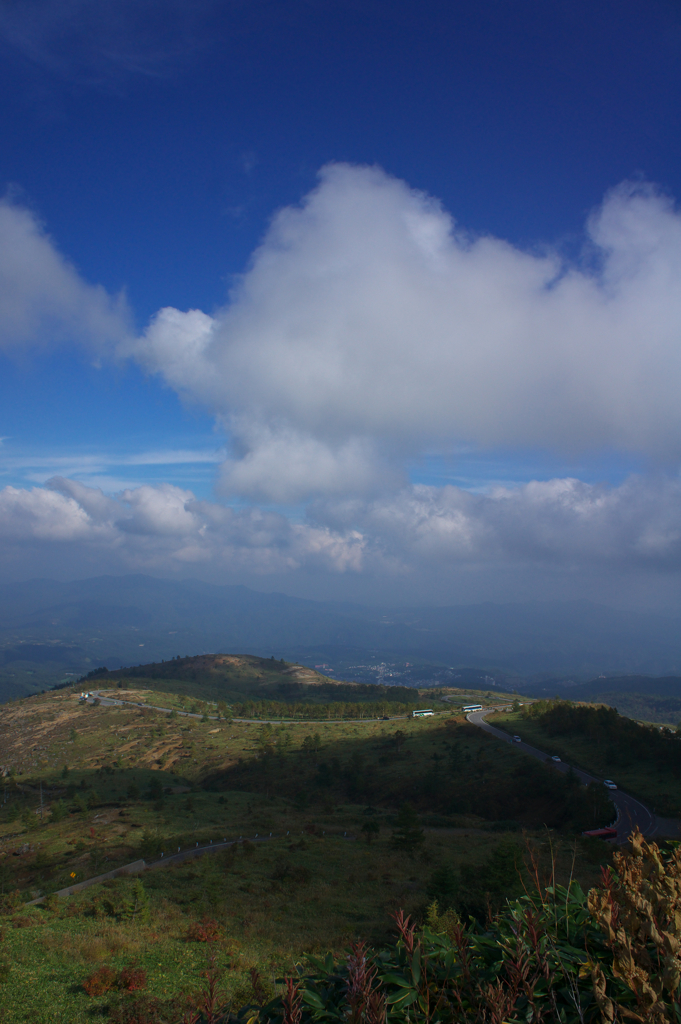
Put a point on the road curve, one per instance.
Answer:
(630, 811)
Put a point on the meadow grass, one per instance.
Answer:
(135, 785)
(274, 902)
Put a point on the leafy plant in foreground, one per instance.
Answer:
(551, 956)
(209, 1004)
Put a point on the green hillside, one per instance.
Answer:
(644, 707)
(90, 787)
(643, 759)
(645, 698)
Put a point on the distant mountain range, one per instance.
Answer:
(50, 631)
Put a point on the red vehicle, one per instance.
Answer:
(602, 833)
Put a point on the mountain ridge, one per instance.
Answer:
(51, 630)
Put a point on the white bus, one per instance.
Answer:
(467, 708)
(422, 714)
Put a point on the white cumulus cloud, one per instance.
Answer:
(283, 465)
(43, 298)
(164, 528)
(419, 533)
(562, 522)
(369, 328)
(42, 515)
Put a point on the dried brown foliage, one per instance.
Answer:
(132, 978)
(206, 930)
(100, 981)
(638, 908)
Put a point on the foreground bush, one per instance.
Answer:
(555, 956)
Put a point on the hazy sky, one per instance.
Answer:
(346, 298)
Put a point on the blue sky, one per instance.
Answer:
(449, 377)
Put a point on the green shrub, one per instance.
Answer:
(29, 819)
(155, 789)
(137, 908)
(485, 888)
(370, 830)
(11, 902)
(152, 844)
(206, 930)
(59, 811)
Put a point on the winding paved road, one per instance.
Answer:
(111, 701)
(630, 811)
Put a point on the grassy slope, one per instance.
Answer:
(655, 785)
(289, 896)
